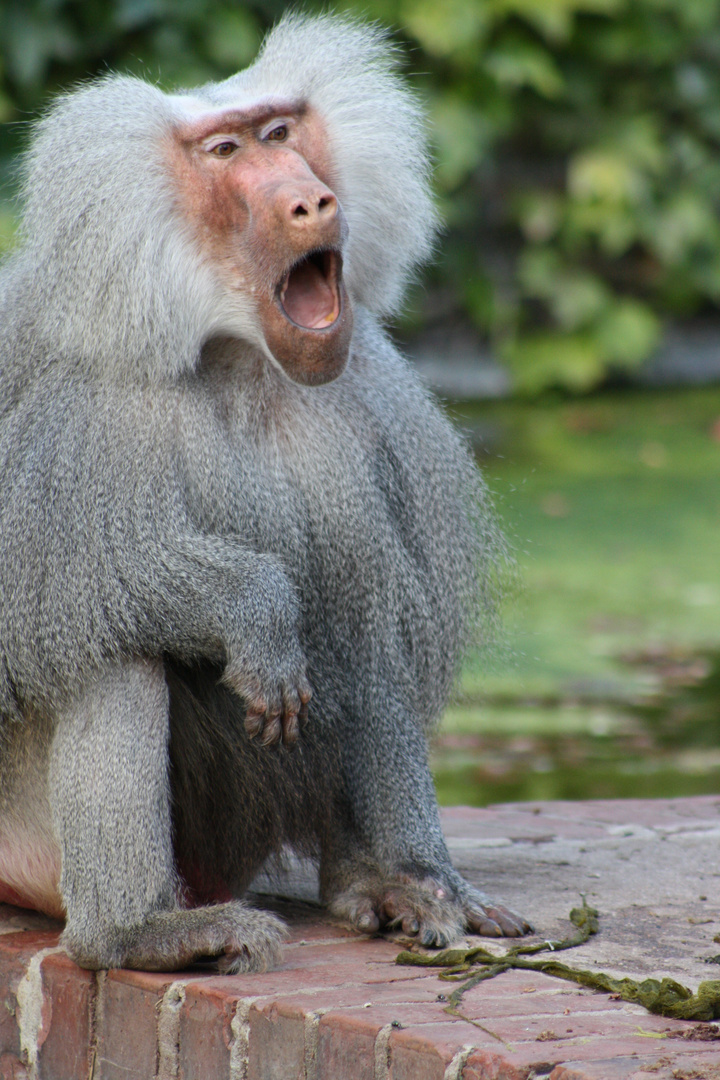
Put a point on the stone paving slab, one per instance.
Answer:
(339, 1007)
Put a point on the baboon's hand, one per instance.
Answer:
(276, 697)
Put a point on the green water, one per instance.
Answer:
(608, 681)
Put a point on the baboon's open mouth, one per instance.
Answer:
(310, 294)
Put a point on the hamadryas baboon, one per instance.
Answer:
(231, 519)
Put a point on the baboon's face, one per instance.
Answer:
(253, 184)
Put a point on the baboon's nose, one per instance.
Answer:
(311, 208)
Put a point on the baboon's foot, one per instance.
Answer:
(240, 937)
(433, 912)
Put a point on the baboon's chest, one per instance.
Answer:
(316, 493)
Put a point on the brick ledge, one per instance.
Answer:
(338, 1008)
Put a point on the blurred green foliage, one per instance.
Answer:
(577, 146)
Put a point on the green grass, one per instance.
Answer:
(614, 553)
(612, 505)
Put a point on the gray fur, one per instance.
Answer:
(179, 519)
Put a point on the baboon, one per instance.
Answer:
(231, 520)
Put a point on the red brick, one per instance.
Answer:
(16, 952)
(508, 1064)
(127, 1045)
(568, 1030)
(27, 942)
(424, 1051)
(426, 989)
(493, 1000)
(371, 999)
(492, 1065)
(354, 951)
(278, 983)
(518, 823)
(637, 1048)
(277, 1042)
(69, 994)
(152, 982)
(662, 1065)
(550, 1058)
(326, 969)
(12, 969)
(205, 1032)
(346, 1047)
(356, 980)
(11, 1068)
(608, 1069)
(421, 1062)
(401, 1014)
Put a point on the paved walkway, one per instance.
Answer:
(339, 1007)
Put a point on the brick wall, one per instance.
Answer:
(339, 1008)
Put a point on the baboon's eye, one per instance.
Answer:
(224, 149)
(277, 134)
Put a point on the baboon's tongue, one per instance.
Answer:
(308, 297)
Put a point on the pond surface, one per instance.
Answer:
(609, 684)
(664, 745)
